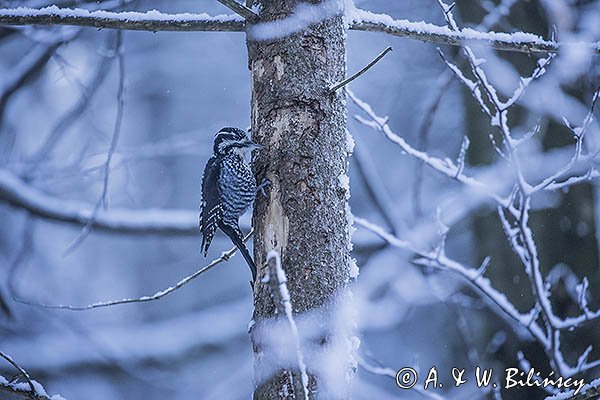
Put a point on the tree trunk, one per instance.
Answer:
(305, 217)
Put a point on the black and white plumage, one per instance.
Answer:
(228, 189)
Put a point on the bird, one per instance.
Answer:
(228, 189)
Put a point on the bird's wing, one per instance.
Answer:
(211, 208)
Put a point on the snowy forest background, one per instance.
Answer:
(182, 87)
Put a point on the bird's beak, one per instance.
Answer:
(253, 146)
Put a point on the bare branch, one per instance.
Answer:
(158, 295)
(71, 116)
(239, 9)
(149, 21)
(27, 68)
(346, 81)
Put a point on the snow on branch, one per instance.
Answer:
(16, 192)
(445, 166)
(225, 256)
(360, 20)
(277, 281)
(140, 21)
(26, 389)
(518, 41)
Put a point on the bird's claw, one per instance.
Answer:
(261, 188)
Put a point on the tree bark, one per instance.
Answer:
(305, 217)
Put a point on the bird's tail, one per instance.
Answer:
(236, 236)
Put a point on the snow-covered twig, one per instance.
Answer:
(21, 370)
(158, 295)
(346, 81)
(147, 21)
(277, 281)
(153, 221)
(29, 389)
(578, 134)
(471, 275)
(445, 166)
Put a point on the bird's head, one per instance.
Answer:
(230, 140)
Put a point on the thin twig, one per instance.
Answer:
(423, 141)
(21, 255)
(277, 281)
(70, 117)
(346, 81)
(30, 389)
(21, 370)
(390, 373)
(240, 9)
(158, 295)
(27, 68)
(373, 185)
(103, 200)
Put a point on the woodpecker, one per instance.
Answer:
(228, 189)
